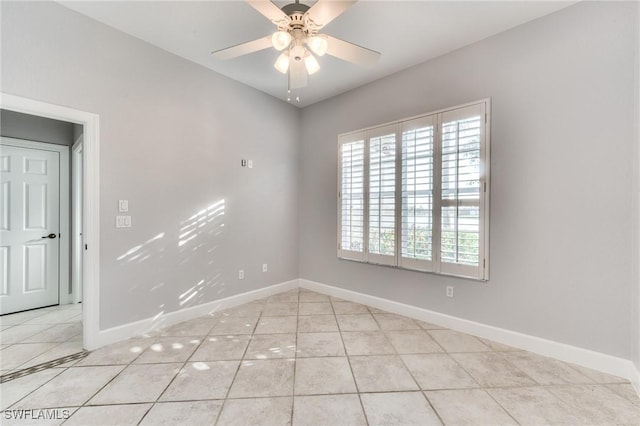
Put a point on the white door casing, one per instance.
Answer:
(77, 247)
(30, 227)
(92, 336)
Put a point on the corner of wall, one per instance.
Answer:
(145, 326)
(635, 300)
(300, 166)
(616, 366)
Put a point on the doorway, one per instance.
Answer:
(89, 275)
(34, 224)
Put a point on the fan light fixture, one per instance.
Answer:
(311, 63)
(281, 40)
(298, 52)
(282, 63)
(318, 45)
(297, 40)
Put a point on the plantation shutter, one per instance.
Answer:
(414, 194)
(462, 191)
(382, 195)
(351, 197)
(417, 171)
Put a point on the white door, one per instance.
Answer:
(29, 228)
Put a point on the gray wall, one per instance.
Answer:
(562, 129)
(171, 138)
(172, 135)
(24, 126)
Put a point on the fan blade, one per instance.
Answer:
(351, 52)
(269, 11)
(325, 11)
(243, 49)
(297, 75)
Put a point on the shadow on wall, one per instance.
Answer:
(197, 240)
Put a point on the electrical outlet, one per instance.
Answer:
(241, 274)
(123, 206)
(264, 267)
(449, 291)
(250, 162)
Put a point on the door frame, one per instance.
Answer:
(91, 202)
(77, 251)
(64, 236)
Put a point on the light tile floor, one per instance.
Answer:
(33, 337)
(304, 358)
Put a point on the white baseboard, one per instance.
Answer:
(138, 328)
(572, 354)
(635, 381)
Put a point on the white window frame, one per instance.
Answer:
(345, 253)
(435, 264)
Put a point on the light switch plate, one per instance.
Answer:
(123, 206)
(123, 221)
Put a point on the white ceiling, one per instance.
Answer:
(405, 32)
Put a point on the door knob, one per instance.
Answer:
(50, 236)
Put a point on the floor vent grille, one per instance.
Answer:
(45, 365)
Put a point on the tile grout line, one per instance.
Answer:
(62, 370)
(501, 406)
(295, 361)
(472, 377)
(82, 404)
(16, 374)
(125, 366)
(503, 355)
(43, 312)
(398, 355)
(100, 389)
(607, 385)
(244, 353)
(33, 357)
(153, 403)
(353, 376)
(486, 388)
(58, 344)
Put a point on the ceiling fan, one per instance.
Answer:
(297, 37)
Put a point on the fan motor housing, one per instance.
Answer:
(298, 20)
(296, 7)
